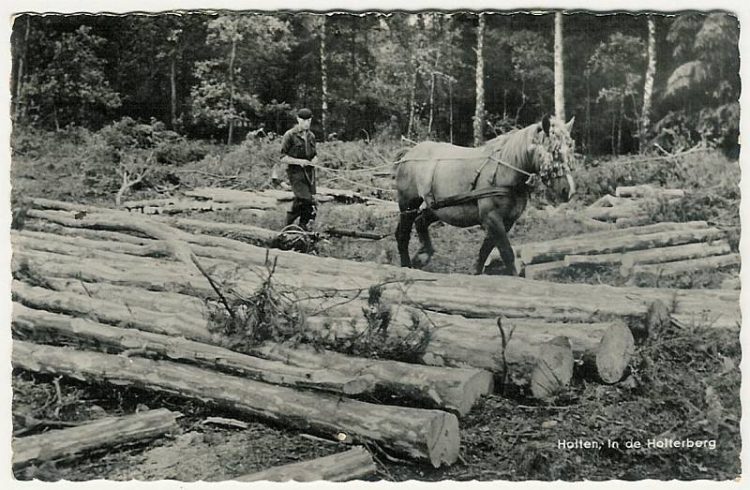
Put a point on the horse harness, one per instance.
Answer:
(476, 194)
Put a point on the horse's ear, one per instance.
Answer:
(569, 124)
(545, 124)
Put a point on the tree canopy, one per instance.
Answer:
(219, 74)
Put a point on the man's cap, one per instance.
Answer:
(304, 113)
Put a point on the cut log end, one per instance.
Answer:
(614, 354)
(553, 370)
(443, 442)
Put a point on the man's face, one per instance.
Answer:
(304, 123)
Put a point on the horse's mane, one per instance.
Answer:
(512, 146)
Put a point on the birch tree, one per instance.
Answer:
(559, 68)
(479, 108)
(648, 87)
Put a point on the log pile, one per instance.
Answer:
(629, 205)
(257, 202)
(121, 298)
(663, 249)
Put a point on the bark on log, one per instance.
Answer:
(44, 226)
(108, 432)
(614, 213)
(453, 389)
(425, 435)
(40, 324)
(667, 269)
(553, 370)
(609, 234)
(603, 259)
(647, 190)
(588, 245)
(466, 295)
(235, 231)
(354, 464)
(535, 271)
(51, 242)
(672, 254)
(111, 312)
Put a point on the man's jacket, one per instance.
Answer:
(293, 144)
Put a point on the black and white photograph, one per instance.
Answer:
(357, 245)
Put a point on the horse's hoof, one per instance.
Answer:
(421, 260)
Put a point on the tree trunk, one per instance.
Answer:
(323, 78)
(648, 87)
(434, 387)
(672, 254)
(20, 69)
(425, 435)
(173, 88)
(42, 325)
(232, 115)
(668, 269)
(479, 105)
(111, 312)
(412, 96)
(354, 464)
(559, 68)
(459, 295)
(647, 190)
(592, 244)
(108, 432)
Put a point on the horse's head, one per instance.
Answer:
(554, 154)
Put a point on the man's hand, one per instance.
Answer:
(314, 161)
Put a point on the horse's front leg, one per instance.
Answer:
(497, 231)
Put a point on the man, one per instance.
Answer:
(298, 148)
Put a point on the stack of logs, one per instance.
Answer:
(629, 204)
(660, 250)
(129, 293)
(253, 202)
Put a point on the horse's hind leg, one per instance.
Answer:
(403, 234)
(497, 230)
(423, 222)
(484, 252)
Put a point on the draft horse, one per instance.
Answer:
(487, 186)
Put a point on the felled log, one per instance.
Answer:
(590, 245)
(453, 389)
(107, 432)
(235, 231)
(536, 270)
(111, 312)
(181, 205)
(610, 361)
(608, 234)
(553, 370)
(667, 269)
(603, 259)
(44, 226)
(354, 464)
(647, 190)
(472, 296)
(40, 324)
(672, 254)
(613, 213)
(425, 435)
(609, 201)
(51, 242)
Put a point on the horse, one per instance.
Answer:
(488, 186)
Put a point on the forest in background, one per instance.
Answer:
(220, 75)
